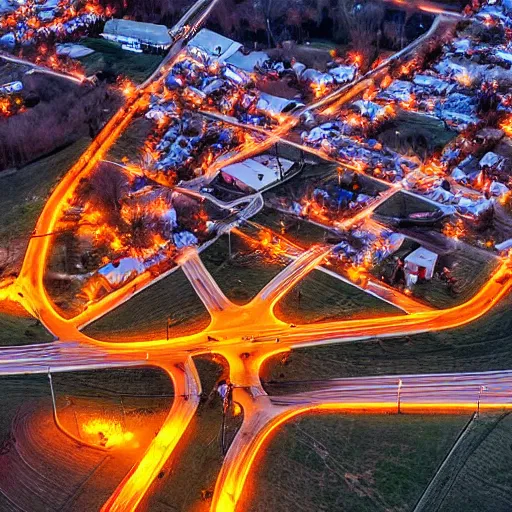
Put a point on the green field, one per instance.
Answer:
(109, 56)
(480, 346)
(478, 473)
(21, 330)
(350, 463)
(243, 275)
(298, 231)
(484, 481)
(144, 316)
(81, 478)
(410, 131)
(24, 193)
(131, 141)
(320, 297)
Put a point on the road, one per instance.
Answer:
(245, 335)
(264, 415)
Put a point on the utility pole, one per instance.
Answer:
(229, 243)
(398, 396)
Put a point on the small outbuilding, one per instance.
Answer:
(420, 264)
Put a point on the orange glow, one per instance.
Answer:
(386, 82)
(319, 90)
(108, 433)
(464, 78)
(506, 126)
(455, 230)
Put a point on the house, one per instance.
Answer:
(274, 105)
(215, 44)
(256, 173)
(137, 36)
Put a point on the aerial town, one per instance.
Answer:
(255, 255)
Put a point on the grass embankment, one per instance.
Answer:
(190, 475)
(23, 195)
(17, 327)
(356, 463)
(243, 275)
(144, 316)
(45, 469)
(483, 345)
(110, 57)
(321, 298)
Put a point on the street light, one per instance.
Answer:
(480, 391)
(398, 395)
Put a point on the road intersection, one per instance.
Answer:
(245, 336)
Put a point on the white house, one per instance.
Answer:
(135, 35)
(215, 44)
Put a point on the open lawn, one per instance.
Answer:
(243, 275)
(410, 131)
(322, 297)
(298, 231)
(480, 346)
(18, 327)
(350, 463)
(478, 473)
(110, 57)
(144, 316)
(21, 330)
(23, 195)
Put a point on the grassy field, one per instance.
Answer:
(245, 274)
(43, 468)
(482, 480)
(480, 346)
(321, 297)
(296, 230)
(24, 193)
(144, 316)
(421, 134)
(109, 56)
(478, 473)
(191, 473)
(131, 141)
(17, 327)
(350, 463)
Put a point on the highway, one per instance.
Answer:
(245, 335)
